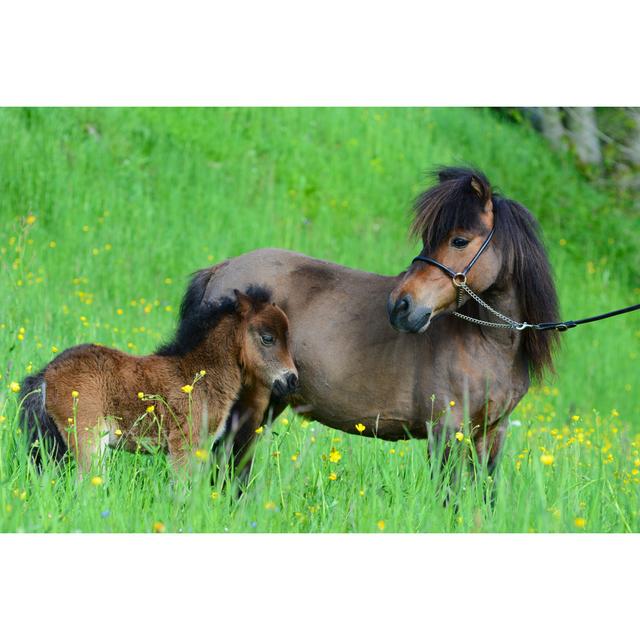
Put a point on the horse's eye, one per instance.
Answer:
(267, 340)
(459, 243)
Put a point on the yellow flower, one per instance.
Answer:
(201, 455)
(546, 459)
(575, 418)
(21, 337)
(580, 523)
(381, 525)
(187, 388)
(360, 427)
(31, 218)
(294, 457)
(459, 436)
(361, 492)
(304, 424)
(284, 421)
(215, 495)
(452, 403)
(615, 413)
(119, 312)
(270, 505)
(53, 244)
(15, 387)
(333, 476)
(151, 408)
(203, 372)
(96, 481)
(335, 455)
(74, 394)
(259, 430)
(140, 395)
(158, 527)
(118, 432)
(54, 349)
(3, 419)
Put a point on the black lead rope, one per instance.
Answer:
(459, 280)
(570, 324)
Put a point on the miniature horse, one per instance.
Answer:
(90, 397)
(386, 351)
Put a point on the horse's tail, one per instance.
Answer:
(38, 424)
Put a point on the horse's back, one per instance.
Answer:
(287, 273)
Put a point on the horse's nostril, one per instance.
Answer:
(402, 305)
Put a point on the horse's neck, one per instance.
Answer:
(506, 301)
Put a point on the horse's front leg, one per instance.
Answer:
(489, 442)
(246, 417)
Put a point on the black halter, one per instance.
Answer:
(460, 277)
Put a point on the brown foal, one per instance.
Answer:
(90, 397)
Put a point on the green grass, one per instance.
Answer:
(128, 202)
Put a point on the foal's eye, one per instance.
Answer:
(459, 242)
(267, 340)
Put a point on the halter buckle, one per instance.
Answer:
(459, 279)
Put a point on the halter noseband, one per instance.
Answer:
(460, 278)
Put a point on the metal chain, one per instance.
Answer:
(510, 324)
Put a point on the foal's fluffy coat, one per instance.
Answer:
(91, 397)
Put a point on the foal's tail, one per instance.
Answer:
(38, 424)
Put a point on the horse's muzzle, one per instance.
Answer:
(406, 317)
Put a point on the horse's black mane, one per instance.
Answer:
(457, 201)
(198, 316)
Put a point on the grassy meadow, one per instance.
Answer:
(104, 213)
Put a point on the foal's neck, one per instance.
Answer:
(219, 354)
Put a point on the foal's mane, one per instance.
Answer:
(457, 201)
(198, 316)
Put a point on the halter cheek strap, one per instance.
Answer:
(459, 278)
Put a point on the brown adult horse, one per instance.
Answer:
(355, 367)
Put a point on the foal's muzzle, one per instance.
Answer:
(405, 316)
(285, 385)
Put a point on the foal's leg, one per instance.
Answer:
(180, 445)
(87, 438)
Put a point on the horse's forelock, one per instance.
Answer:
(455, 202)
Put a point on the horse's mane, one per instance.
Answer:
(198, 316)
(456, 201)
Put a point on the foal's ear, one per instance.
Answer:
(243, 302)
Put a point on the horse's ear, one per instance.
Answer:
(243, 302)
(483, 190)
